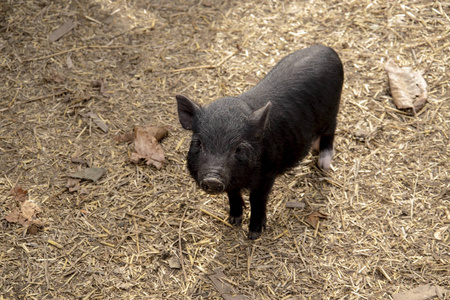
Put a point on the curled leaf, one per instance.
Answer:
(314, 217)
(26, 216)
(73, 184)
(408, 87)
(147, 147)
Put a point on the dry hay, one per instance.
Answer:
(121, 236)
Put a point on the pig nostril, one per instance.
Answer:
(212, 185)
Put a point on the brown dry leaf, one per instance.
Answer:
(87, 96)
(20, 195)
(99, 83)
(34, 228)
(26, 216)
(126, 137)
(313, 218)
(54, 76)
(408, 87)
(73, 184)
(146, 145)
(30, 209)
(423, 292)
(15, 217)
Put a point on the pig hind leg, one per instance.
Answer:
(316, 145)
(326, 148)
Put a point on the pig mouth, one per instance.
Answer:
(212, 184)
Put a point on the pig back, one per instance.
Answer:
(305, 89)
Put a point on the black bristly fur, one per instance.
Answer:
(246, 141)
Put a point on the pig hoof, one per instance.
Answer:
(325, 159)
(235, 221)
(253, 235)
(254, 231)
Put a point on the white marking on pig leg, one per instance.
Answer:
(316, 144)
(325, 159)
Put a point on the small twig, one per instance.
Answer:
(137, 216)
(68, 271)
(206, 66)
(88, 296)
(382, 271)
(344, 227)
(81, 48)
(249, 260)
(17, 92)
(93, 20)
(47, 280)
(46, 96)
(17, 180)
(9, 170)
(216, 217)
(299, 252)
(317, 228)
(179, 247)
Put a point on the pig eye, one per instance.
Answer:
(196, 144)
(239, 153)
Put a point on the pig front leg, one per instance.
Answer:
(258, 202)
(236, 204)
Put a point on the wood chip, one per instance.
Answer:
(293, 204)
(224, 288)
(174, 263)
(92, 174)
(99, 122)
(58, 33)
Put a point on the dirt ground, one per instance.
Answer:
(146, 233)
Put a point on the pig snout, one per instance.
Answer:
(212, 184)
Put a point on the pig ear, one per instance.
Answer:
(186, 111)
(259, 118)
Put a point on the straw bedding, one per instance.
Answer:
(145, 233)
